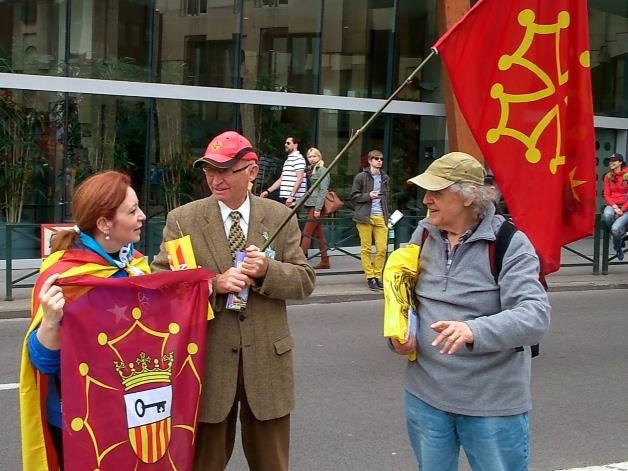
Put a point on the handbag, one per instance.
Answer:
(332, 202)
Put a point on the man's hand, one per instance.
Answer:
(232, 281)
(404, 348)
(255, 263)
(451, 336)
(374, 195)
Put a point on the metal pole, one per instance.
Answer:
(353, 138)
(9, 263)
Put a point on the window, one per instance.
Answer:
(29, 12)
(269, 3)
(195, 7)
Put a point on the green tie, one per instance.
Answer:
(237, 240)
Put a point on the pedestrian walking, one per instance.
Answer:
(314, 227)
(292, 183)
(369, 194)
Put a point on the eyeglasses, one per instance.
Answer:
(212, 171)
(377, 158)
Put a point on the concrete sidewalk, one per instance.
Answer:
(344, 282)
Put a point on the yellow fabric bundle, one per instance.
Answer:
(400, 276)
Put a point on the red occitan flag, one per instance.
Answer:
(520, 72)
(132, 359)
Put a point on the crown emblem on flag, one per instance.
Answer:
(145, 370)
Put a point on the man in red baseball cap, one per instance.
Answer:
(249, 353)
(227, 149)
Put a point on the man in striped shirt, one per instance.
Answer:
(292, 183)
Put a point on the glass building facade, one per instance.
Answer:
(142, 86)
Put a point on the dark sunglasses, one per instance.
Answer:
(377, 158)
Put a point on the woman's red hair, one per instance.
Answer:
(97, 196)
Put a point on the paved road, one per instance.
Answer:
(349, 413)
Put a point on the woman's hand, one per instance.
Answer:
(52, 300)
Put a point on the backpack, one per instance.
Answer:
(496, 251)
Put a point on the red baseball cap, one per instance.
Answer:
(226, 149)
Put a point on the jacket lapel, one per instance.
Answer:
(214, 234)
(258, 231)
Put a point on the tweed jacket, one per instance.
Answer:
(260, 333)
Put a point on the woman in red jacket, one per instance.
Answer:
(616, 197)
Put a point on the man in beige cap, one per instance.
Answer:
(249, 352)
(470, 385)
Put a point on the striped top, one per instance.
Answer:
(293, 164)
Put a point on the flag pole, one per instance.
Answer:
(353, 138)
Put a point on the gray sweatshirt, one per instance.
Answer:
(489, 377)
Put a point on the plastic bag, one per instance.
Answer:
(400, 277)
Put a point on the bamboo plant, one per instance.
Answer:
(20, 157)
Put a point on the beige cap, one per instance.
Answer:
(451, 168)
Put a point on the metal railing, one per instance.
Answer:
(341, 230)
(594, 261)
(27, 233)
(606, 239)
(22, 238)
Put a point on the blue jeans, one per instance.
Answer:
(490, 443)
(616, 225)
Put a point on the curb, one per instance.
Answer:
(15, 314)
(586, 287)
(337, 298)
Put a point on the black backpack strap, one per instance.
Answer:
(496, 254)
(497, 249)
(424, 236)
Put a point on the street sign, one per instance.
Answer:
(46, 233)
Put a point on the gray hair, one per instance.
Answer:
(482, 196)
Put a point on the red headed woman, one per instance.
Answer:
(108, 224)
